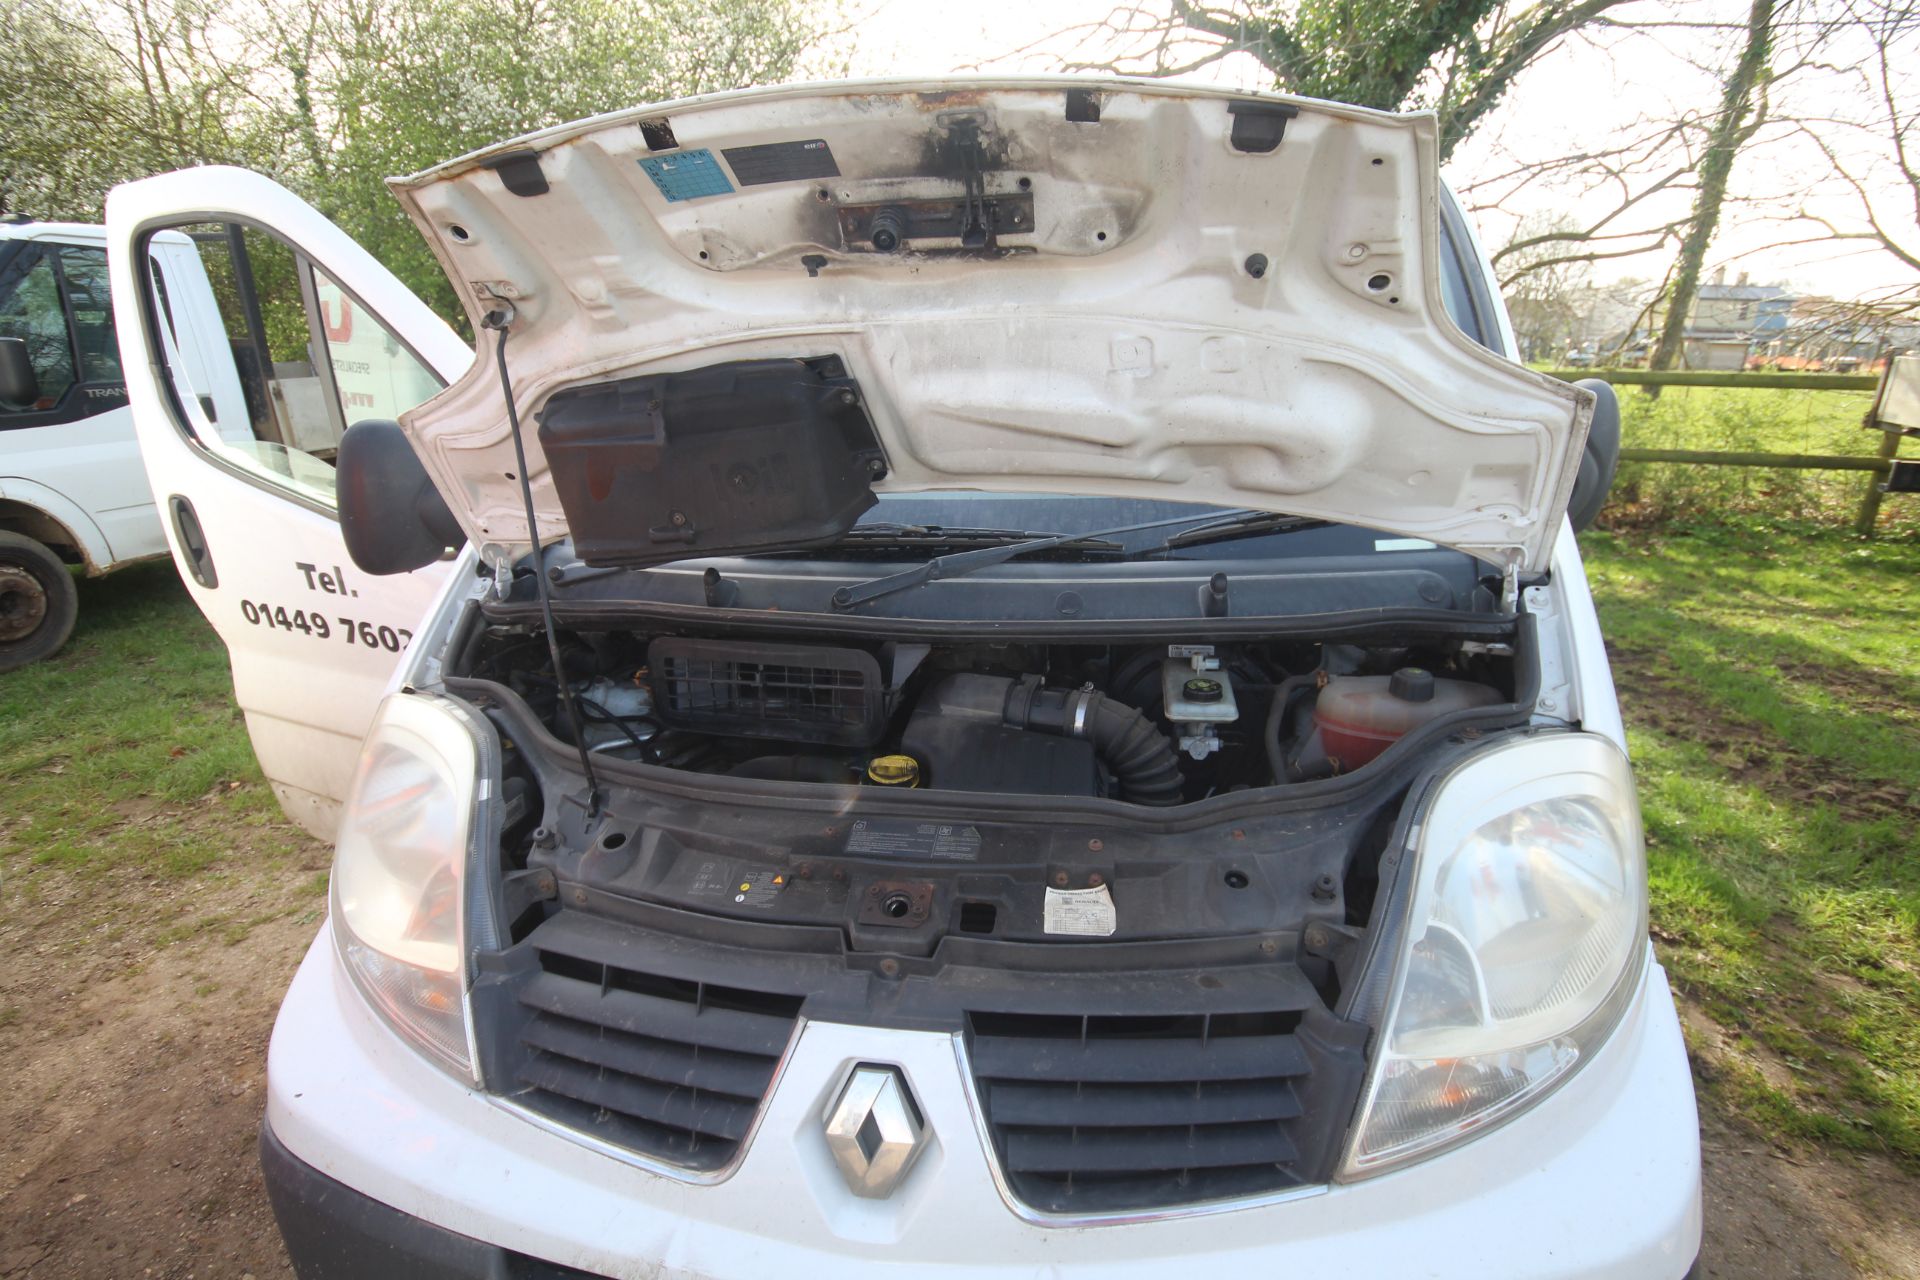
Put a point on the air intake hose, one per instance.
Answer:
(1140, 756)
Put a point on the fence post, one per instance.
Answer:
(1869, 515)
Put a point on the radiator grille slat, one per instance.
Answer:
(1123, 1106)
(1123, 1061)
(658, 1016)
(660, 1060)
(713, 1114)
(1132, 1150)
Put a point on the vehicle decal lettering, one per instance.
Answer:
(316, 625)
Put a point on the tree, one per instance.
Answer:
(1874, 153)
(1732, 127)
(333, 97)
(1458, 57)
(388, 87)
(45, 168)
(1545, 292)
(105, 90)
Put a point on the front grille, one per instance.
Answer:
(1099, 1113)
(668, 1068)
(796, 693)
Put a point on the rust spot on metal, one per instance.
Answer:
(948, 99)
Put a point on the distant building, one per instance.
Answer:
(1727, 324)
(1737, 325)
(1826, 333)
(1741, 312)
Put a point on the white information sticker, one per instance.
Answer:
(1087, 912)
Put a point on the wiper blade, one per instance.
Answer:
(1247, 525)
(920, 535)
(960, 563)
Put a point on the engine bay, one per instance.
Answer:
(1156, 725)
(899, 808)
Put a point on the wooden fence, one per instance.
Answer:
(1879, 467)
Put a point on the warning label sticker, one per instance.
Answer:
(755, 887)
(1086, 912)
(882, 838)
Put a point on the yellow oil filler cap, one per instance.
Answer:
(893, 771)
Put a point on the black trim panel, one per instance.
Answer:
(333, 1232)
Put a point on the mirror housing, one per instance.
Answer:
(391, 515)
(19, 384)
(1601, 459)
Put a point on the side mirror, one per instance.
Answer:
(1601, 459)
(18, 383)
(392, 517)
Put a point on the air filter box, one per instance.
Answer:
(793, 692)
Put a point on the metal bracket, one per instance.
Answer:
(521, 889)
(963, 135)
(501, 564)
(896, 904)
(1557, 702)
(1335, 942)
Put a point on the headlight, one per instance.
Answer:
(1526, 926)
(399, 868)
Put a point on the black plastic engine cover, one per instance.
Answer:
(748, 456)
(960, 754)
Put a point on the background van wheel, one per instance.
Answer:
(38, 602)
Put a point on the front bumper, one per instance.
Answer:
(1601, 1179)
(335, 1233)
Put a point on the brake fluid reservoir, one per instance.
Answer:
(1361, 716)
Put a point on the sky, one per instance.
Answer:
(1585, 91)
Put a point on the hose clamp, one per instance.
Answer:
(1082, 700)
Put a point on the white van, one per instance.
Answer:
(72, 489)
(1016, 696)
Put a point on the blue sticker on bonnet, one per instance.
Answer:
(687, 175)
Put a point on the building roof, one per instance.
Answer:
(1742, 292)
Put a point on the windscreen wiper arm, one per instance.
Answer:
(960, 563)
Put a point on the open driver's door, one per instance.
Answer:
(253, 332)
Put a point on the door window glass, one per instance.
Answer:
(90, 302)
(271, 359)
(30, 310)
(376, 376)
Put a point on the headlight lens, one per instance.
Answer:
(399, 867)
(1527, 922)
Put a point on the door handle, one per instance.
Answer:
(193, 541)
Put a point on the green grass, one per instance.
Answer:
(1739, 419)
(125, 750)
(1769, 673)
